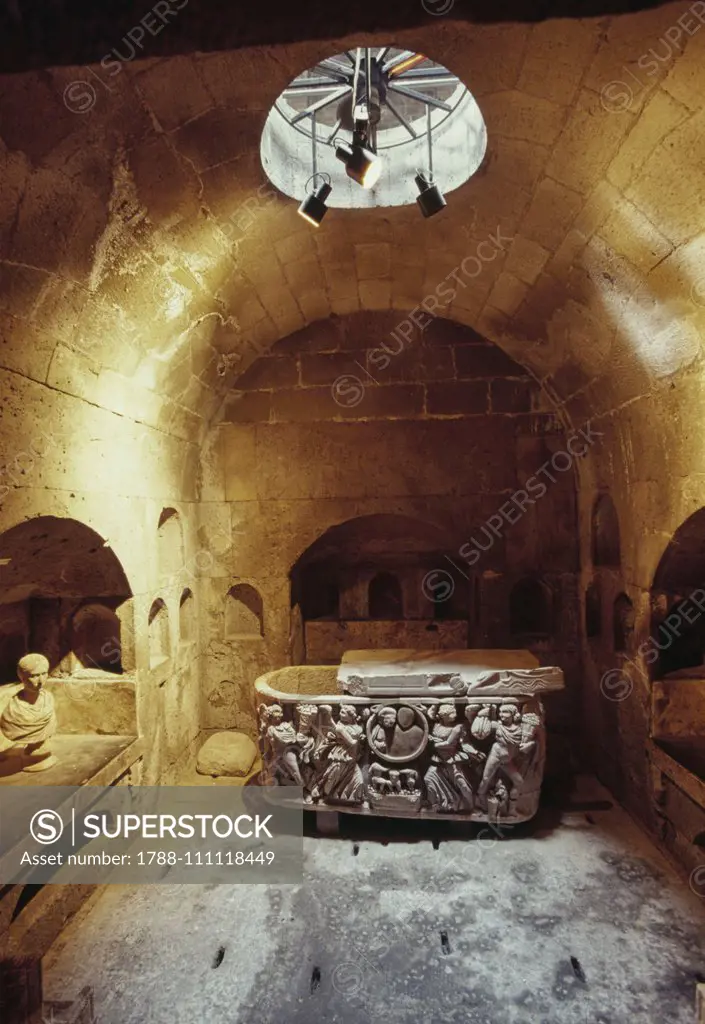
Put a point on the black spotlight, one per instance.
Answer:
(313, 208)
(430, 198)
(361, 164)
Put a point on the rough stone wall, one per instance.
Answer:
(145, 263)
(445, 434)
(64, 457)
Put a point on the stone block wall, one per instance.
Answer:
(339, 423)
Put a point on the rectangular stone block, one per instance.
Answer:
(485, 361)
(325, 368)
(248, 407)
(416, 364)
(397, 401)
(552, 211)
(373, 260)
(267, 374)
(457, 398)
(526, 259)
(302, 405)
(376, 294)
(510, 396)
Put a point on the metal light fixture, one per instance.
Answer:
(362, 86)
(361, 164)
(430, 198)
(313, 208)
(361, 161)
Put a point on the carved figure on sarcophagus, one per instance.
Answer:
(342, 780)
(280, 746)
(507, 753)
(447, 785)
(311, 746)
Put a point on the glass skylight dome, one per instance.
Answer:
(408, 98)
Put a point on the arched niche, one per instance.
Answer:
(187, 616)
(51, 568)
(384, 597)
(622, 623)
(244, 612)
(158, 625)
(593, 611)
(331, 578)
(678, 600)
(96, 638)
(170, 544)
(531, 609)
(364, 583)
(606, 548)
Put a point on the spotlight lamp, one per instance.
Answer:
(313, 208)
(430, 198)
(361, 164)
(355, 92)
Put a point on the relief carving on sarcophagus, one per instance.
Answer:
(457, 747)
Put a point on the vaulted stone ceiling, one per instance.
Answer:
(145, 262)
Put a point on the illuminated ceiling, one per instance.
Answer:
(149, 260)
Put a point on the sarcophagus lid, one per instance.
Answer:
(497, 673)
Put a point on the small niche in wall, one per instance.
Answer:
(187, 617)
(170, 549)
(530, 609)
(95, 638)
(158, 633)
(593, 611)
(384, 597)
(605, 533)
(244, 617)
(622, 623)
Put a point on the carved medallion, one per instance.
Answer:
(397, 734)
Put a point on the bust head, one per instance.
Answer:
(33, 671)
(348, 714)
(387, 717)
(275, 714)
(405, 717)
(446, 714)
(509, 714)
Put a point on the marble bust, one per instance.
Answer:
(29, 719)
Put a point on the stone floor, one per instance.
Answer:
(577, 919)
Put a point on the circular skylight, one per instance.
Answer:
(419, 117)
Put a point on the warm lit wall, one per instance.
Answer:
(63, 456)
(449, 431)
(144, 263)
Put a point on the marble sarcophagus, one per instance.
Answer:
(449, 734)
